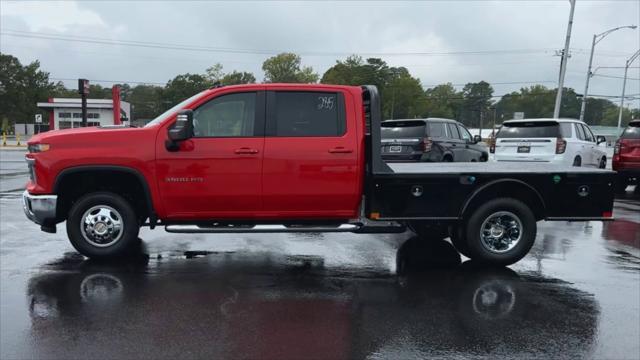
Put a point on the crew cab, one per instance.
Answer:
(289, 158)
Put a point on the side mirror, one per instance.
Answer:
(181, 130)
(477, 139)
(600, 139)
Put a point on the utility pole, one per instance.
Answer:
(624, 85)
(563, 63)
(480, 131)
(596, 39)
(83, 89)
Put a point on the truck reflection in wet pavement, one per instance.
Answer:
(261, 305)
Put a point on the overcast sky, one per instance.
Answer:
(431, 38)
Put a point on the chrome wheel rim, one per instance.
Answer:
(501, 231)
(101, 226)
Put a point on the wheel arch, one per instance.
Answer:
(78, 180)
(511, 188)
(448, 153)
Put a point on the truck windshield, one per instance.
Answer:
(534, 129)
(403, 129)
(172, 111)
(632, 131)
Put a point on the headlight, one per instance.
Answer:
(35, 148)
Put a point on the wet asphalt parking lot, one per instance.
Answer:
(576, 295)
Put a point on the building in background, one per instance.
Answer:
(65, 113)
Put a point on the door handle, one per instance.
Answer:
(340, 150)
(246, 151)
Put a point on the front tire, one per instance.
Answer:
(500, 232)
(102, 225)
(603, 163)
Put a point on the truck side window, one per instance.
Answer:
(306, 114)
(230, 115)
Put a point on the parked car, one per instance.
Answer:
(557, 141)
(431, 139)
(288, 158)
(626, 157)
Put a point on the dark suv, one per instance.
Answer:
(626, 157)
(430, 139)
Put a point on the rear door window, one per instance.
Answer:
(453, 131)
(403, 129)
(537, 129)
(580, 132)
(565, 130)
(436, 130)
(632, 131)
(294, 114)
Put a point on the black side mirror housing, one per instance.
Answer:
(477, 139)
(600, 139)
(183, 128)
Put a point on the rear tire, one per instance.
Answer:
(577, 161)
(102, 225)
(603, 163)
(447, 158)
(500, 232)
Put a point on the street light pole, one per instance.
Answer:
(624, 85)
(563, 65)
(596, 39)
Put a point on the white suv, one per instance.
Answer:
(557, 141)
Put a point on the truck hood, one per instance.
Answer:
(117, 137)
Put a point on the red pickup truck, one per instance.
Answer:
(289, 158)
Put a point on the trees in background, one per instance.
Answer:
(22, 86)
(538, 101)
(287, 68)
(402, 95)
(443, 101)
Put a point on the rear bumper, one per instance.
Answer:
(41, 209)
(552, 159)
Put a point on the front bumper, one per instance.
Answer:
(41, 209)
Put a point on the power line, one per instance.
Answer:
(173, 46)
(613, 77)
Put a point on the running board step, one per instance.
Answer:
(270, 228)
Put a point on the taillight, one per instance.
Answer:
(427, 144)
(561, 146)
(616, 148)
(492, 146)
